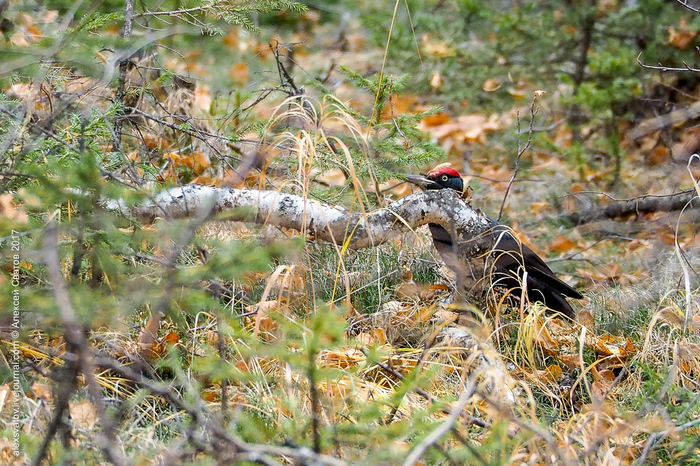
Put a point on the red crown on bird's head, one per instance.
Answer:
(443, 169)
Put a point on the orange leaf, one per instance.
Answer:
(171, 338)
(659, 155)
(555, 371)
(539, 207)
(210, 395)
(201, 161)
(343, 359)
(239, 74)
(41, 391)
(206, 180)
(562, 244)
(576, 188)
(401, 104)
(607, 345)
(682, 37)
(436, 120)
(202, 99)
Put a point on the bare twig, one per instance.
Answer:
(636, 206)
(424, 394)
(689, 7)
(656, 437)
(227, 448)
(521, 150)
(448, 424)
(664, 68)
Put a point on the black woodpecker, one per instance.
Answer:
(510, 257)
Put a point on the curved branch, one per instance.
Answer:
(322, 221)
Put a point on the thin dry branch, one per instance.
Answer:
(448, 424)
(224, 446)
(636, 207)
(667, 120)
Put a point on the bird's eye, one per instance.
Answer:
(444, 178)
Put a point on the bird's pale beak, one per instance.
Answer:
(422, 182)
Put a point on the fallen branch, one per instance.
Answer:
(666, 121)
(322, 221)
(636, 207)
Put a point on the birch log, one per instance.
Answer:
(319, 220)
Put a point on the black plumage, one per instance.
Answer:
(510, 258)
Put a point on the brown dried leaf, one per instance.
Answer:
(682, 37)
(240, 74)
(84, 414)
(435, 120)
(586, 319)
(609, 346)
(41, 391)
(201, 161)
(659, 155)
(491, 85)
(342, 359)
(171, 338)
(689, 356)
(572, 361)
(333, 177)
(562, 244)
(544, 338)
(263, 322)
(401, 104)
(148, 338)
(10, 211)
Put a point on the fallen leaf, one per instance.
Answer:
(436, 119)
(555, 371)
(41, 391)
(84, 414)
(562, 244)
(610, 346)
(689, 356)
(171, 338)
(10, 211)
(572, 361)
(439, 49)
(586, 319)
(401, 104)
(344, 359)
(659, 155)
(436, 81)
(491, 85)
(201, 161)
(202, 99)
(683, 36)
(332, 177)
(239, 74)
